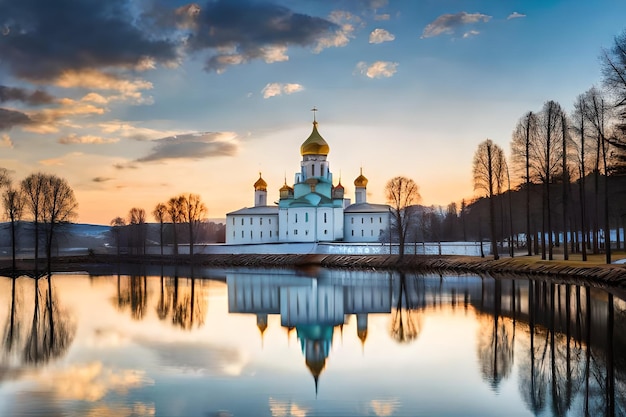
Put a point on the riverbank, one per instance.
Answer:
(593, 270)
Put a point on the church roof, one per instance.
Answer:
(367, 208)
(311, 200)
(258, 210)
(315, 144)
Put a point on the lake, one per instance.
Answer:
(165, 341)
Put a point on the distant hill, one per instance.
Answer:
(71, 235)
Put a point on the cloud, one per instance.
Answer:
(86, 139)
(384, 16)
(61, 160)
(43, 39)
(127, 130)
(33, 98)
(12, 118)
(378, 69)
(101, 179)
(276, 89)
(515, 15)
(346, 23)
(5, 141)
(128, 89)
(380, 36)
(470, 34)
(193, 146)
(48, 120)
(236, 32)
(449, 23)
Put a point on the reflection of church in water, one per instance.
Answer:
(315, 307)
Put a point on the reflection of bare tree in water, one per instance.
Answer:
(570, 365)
(133, 293)
(12, 328)
(52, 330)
(163, 305)
(495, 344)
(406, 322)
(564, 358)
(533, 375)
(188, 305)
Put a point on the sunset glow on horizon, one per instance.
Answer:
(136, 102)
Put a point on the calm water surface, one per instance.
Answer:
(323, 343)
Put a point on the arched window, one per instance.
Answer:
(296, 217)
(261, 221)
(324, 217)
(351, 220)
(306, 217)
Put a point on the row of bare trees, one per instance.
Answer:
(45, 199)
(554, 149)
(184, 210)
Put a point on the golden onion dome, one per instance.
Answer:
(360, 181)
(260, 184)
(285, 187)
(315, 144)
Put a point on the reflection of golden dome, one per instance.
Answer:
(316, 366)
(362, 334)
(360, 181)
(261, 322)
(260, 184)
(315, 144)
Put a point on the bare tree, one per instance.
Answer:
(192, 213)
(175, 213)
(524, 139)
(159, 213)
(116, 228)
(33, 188)
(402, 193)
(565, 141)
(59, 206)
(614, 69)
(137, 222)
(13, 202)
(598, 114)
(488, 158)
(548, 159)
(581, 131)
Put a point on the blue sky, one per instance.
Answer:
(136, 101)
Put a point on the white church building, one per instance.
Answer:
(312, 210)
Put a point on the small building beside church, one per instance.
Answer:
(313, 209)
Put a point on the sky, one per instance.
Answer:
(137, 101)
